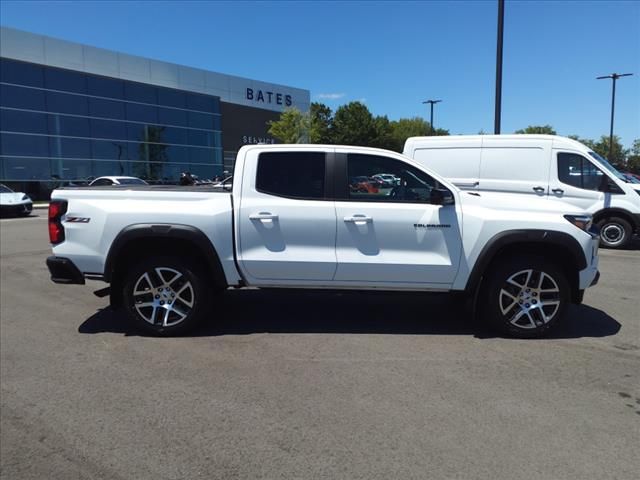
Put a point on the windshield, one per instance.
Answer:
(631, 178)
(605, 163)
(131, 181)
(4, 189)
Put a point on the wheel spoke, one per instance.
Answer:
(146, 278)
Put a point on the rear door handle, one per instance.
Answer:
(559, 191)
(263, 216)
(358, 219)
(538, 189)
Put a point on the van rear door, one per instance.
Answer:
(457, 161)
(515, 165)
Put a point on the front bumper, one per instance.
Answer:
(16, 209)
(64, 271)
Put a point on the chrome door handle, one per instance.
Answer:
(538, 189)
(263, 216)
(558, 191)
(358, 219)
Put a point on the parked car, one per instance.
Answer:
(14, 203)
(364, 184)
(544, 166)
(387, 179)
(107, 181)
(288, 223)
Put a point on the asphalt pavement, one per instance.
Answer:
(285, 384)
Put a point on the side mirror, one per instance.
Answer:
(441, 196)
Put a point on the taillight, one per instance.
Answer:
(57, 208)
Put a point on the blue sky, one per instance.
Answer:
(390, 55)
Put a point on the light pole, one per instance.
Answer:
(496, 127)
(614, 77)
(431, 102)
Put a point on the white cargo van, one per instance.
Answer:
(541, 166)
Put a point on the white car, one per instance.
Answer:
(291, 220)
(14, 203)
(388, 179)
(107, 181)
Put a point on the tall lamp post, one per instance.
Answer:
(614, 77)
(431, 102)
(496, 126)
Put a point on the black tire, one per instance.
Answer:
(615, 232)
(529, 310)
(178, 286)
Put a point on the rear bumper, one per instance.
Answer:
(64, 271)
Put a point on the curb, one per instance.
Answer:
(41, 206)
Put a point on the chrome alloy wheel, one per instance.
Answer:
(163, 296)
(529, 299)
(612, 233)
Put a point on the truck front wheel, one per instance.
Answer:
(525, 296)
(615, 232)
(164, 295)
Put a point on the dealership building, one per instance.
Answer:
(72, 112)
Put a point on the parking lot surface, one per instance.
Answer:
(286, 384)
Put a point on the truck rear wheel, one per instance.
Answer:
(165, 295)
(615, 232)
(526, 296)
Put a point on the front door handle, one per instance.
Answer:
(263, 217)
(558, 191)
(538, 189)
(358, 219)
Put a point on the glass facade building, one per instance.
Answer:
(70, 113)
(62, 125)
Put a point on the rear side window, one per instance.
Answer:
(292, 174)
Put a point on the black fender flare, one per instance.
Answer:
(526, 236)
(165, 231)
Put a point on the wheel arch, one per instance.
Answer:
(559, 247)
(633, 220)
(139, 240)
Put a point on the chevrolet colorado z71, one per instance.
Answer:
(294, 219)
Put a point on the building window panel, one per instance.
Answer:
(172, 116)
(175, 135)
(68, 126)
(178, 154)
(200, 120)
(99, 107)
(141, 113)
(21, 73)
(67, 103)
(65, 80)
(24, 145)
(139, 92)
(204, 103)
(19, 97)
(70, 147)
(108, 129)
(25, 168)
(78, 170)
(21, 121)
(109, 150)
(201, 155)
(171, 98)
(105, 87)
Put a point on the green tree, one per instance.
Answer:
(152, 153)
(353, 124)
(291, 127)
(321, 121)
(619, 153)
(384, 133)
(540, 129)
(633, 160)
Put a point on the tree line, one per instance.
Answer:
(354, 124)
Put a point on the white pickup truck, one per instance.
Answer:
(310, 216)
